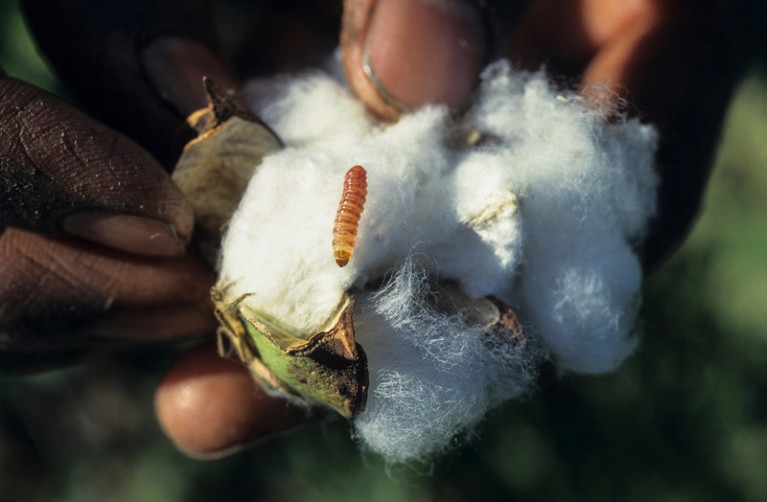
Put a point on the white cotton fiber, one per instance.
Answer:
(433, 376)
(530, 197)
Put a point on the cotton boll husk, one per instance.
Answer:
(541, 213)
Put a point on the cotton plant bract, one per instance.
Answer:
(531, 198)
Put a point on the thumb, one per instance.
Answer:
(62, 172)
(401, 54)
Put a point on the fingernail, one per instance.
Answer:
(176, 66)
(425, 51)
(155, 324)
(134, 234)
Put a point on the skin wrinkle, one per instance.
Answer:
(12, 284)
(24, 145)
(55, 160)
(55, 268)
(28, 117)
(16, 114)
(83, 274)
(35, 289)
(102, 271)
(36, 121)
(55, 302)
(27, 314)
(83, 167)
(70, 141)
(112, 146)
(23, 123)
(72, 174)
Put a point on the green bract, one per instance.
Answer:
(328, 368)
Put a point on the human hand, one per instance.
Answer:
(669, 63)
(93, 235)
(663, 59)
(92, 238)
(138, 66)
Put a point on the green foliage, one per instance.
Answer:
(18, 55)
(685, 419)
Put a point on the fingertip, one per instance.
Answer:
(401, 54)
(210, 407)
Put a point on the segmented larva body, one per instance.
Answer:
(348, 214)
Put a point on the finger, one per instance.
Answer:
(136, 65)
(60, 294)
(210, 407)
(400, 54)
(134, 325)
(62, 172)
(298, 35)
(674, 63)
(677, 68)
(564, 36)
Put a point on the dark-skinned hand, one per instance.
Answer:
(673, 63)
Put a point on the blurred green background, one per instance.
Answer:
(685, 419)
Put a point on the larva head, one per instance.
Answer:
(342, 257)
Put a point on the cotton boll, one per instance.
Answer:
(276, 101)
(541, 211)
(633, 181)
(491, 231)
(584, 306)
(269, 260)
(586, 190)
(498, 99)
(299, 282)
(580, 282)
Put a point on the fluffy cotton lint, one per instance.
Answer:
(530, 196)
